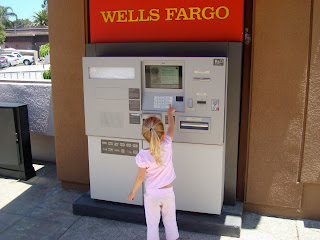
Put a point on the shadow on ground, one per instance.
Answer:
(311, 224)
(40, 209)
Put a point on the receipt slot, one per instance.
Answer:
(120, 92)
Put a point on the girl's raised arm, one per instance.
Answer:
(170, 112)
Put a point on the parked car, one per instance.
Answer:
(3, 62)
(12, 60)
(25, 59)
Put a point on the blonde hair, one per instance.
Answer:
(152, 131)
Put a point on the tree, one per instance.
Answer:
(5, 13)
(45, 5)
(23, 23)
(41, 18)
(2, 34)
(44, 50)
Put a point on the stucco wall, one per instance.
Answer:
(284, 109)
(67, 44)
(16, 45)
(42, 147)
(37, 96)
(26, 42)
(311, 158)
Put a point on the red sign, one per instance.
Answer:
(166, 20)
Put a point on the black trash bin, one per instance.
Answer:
(15, 147)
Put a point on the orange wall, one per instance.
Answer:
(311, 162)
(310, 174)
(67, 30)
(283, 148)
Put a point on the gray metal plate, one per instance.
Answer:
(119, 147)
(9, 154)
(134, 105)
(134, 93)
(134, 118)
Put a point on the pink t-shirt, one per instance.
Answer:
(157, 176)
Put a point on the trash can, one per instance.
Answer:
(15, 147)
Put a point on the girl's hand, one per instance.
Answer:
(170, 130)
(131, 196)
(171, 110)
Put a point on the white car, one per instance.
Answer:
(25, 59)
(13, 60)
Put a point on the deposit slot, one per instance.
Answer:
(194, 125)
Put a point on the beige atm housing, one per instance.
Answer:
(119, 92)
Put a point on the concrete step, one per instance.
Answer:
(226, 224)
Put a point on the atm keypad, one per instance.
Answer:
(162, 101)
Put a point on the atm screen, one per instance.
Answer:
(167, 77)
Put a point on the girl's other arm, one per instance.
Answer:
(170, 112)
(139, 179)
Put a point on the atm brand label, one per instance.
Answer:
(172, 14)
(161, 21)
(218, 62)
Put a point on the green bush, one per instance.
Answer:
(47, 74)
(44, 50)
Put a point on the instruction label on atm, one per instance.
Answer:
(119, 147)
(215, 105)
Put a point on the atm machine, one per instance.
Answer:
(119, 92)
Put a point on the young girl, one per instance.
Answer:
(155, 164)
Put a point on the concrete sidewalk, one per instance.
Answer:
(40, 209)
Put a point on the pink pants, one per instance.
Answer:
(156, 202)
